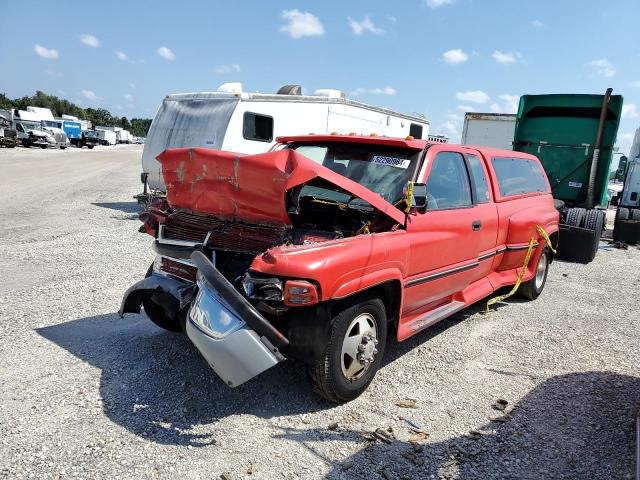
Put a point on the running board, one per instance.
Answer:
(434, 316)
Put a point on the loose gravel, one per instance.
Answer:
(543, 389)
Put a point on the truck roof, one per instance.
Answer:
(408, 142)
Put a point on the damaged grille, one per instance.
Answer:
(229, 236)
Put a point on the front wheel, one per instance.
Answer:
(354, 352)
(533, 288)
(159, 316)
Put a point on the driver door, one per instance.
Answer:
(443, 250)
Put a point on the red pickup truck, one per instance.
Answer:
(326, 246)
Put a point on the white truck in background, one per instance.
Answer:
(106, 135)
(489, 129)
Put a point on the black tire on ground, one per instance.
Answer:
(89, 147)
(157, 314)
(575, 216)
(328, 373)
(594, 220)
(62, 147)
(43, 146)
(622, 213)
(533, 288)
(635, 214)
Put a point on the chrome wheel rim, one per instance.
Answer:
(359, 346)
(541, 270)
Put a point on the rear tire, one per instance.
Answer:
(337, 375)
(635, 214)
(533, 288)
(622, 213)
(594, 220)
(158, 316)
(575, 217)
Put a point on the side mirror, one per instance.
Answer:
(418, 198)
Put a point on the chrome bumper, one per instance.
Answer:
(234, 351)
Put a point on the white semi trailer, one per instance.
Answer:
(489, 129)
(233, 120)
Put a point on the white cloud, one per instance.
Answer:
(451, 129)
(438, 3)
(455, 56)
(89, 40)
(511, 102)
(374, 91)
(636, 83)
(166, 53)
(365, 25)
(231, 68)
(392, 19)
(465, 108)
(128, 97)
(122, 56)
(506, 57)
(89, 94)
(495, 108)
(473, 96)
(132, 85)
(630, 110)
(301, 24)
(44, 52)
(603, 67)
(537, 23)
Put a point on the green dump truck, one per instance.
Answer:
(573, 136)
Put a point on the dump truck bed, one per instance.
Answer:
(561, 131)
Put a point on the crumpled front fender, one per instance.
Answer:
(183, 292)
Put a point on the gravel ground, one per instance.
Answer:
(85, 394)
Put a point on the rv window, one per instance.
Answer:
(415, 130)
(257, 127)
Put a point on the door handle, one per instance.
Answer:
(476, 225)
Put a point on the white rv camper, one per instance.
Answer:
(237, 121)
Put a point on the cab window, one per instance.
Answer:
(518, 176)
(448, 183)
(479, 179)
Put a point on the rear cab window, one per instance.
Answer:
(518, 176)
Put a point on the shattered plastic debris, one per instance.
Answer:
(406, 403)
(500, 404)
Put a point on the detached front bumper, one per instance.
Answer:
(234, 338)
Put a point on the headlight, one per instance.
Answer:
(211, 316)
(258, 288)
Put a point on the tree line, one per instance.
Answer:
(59, 106)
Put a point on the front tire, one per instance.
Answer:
(158, 316)
(354, 352)
(533, 288)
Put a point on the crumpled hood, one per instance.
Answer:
(251, 188)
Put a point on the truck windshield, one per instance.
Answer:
(50, 124)
(382, 169)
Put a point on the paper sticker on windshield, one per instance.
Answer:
(391, 161)
(575, 184)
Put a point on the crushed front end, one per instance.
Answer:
(223, 217)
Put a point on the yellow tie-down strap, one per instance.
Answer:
(522, 271)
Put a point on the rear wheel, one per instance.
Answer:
(594, 220)
(354, 352)
(533, 288)
(622, 213)
(635, 214)
(575, 217)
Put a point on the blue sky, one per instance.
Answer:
(435, 57)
